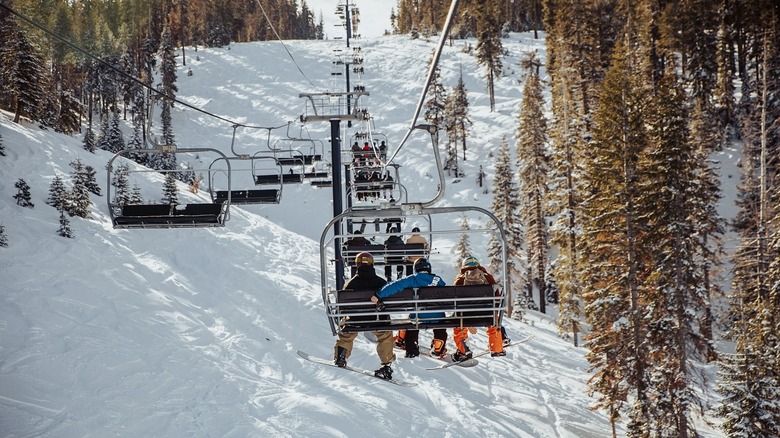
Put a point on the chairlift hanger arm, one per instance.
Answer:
(431, 70)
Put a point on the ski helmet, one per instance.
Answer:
(422, 265)
(470, 262)
(364, 258)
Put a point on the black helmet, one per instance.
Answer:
(415, 230)
(422, 265)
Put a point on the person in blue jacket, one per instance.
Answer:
(422, 277)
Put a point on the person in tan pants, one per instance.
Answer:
(366, 279)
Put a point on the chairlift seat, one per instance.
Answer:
(243, 197)
(299, 160)
(169, 215)
(466, 306)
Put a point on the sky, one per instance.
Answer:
(374, 16)
(194, 332)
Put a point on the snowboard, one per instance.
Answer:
(369, 373)
(481, 353)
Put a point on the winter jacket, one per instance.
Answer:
(420, 279)
(366, 279)
(416, 238)
(488, 277)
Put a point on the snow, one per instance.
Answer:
(193, 332)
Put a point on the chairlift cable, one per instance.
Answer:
(271, 25)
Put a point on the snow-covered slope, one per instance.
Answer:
(193, 332)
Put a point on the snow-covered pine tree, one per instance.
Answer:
(534, 165)
(168, 89)
(613, 247)
(3, 237)
(89, 141)
(79, 194)
(489, 47)
(463, 248)
(437, 97)
(90, 180)
(456, 124)
(121, 185)
(103, 137)
(58, 194)
(170, 190)
(115, 139)
(65, 230)
(670, 194)
(505, 206)
(2, 145)
(23, 71)
(135, 196)
(22, 195)
(755, 300)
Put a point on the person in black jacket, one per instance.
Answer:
(366, 279)
(391, 245)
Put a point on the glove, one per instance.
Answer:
(380, 305)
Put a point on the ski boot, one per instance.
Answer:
(438, 349)
(385, 372)
(497, 353)
(341, 357)
(460, 357)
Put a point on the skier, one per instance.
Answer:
(421, 278)
(472, 272)
(366, 279)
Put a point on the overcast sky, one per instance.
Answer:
(374, 15)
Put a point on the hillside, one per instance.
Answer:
(193, 332)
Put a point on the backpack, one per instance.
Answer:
(474, 276)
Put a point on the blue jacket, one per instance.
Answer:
(420, 279)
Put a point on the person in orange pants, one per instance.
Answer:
(471, 272)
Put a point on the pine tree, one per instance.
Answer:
(489, 47)
(2, 146)
(115, 140)
(533, 165)
(437, 97)
(23, 73)
(168, 85)
(104, 137)
(3, 237)
(79, 194)
(90, 181)
(121, 185)
(58, 195)
(456, 124)
(670, 195)
(170, 190)
(22, 195)
(135, 196)
(90, 142)
(505, 207)
(463, 248)
(612, 260)
(65, 230)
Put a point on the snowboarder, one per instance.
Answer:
(472, 272)
(366, 279)
(392, 259)
(421, 278)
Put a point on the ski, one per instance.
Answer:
(369, 373)
(481, 353)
